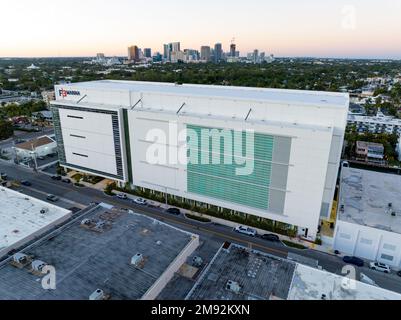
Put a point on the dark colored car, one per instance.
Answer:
(399, 273)
(174, 211)
(26, 183)
(353, 260)
(56, 178)
(3, 176)
(66, 180)
(271, 237)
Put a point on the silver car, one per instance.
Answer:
(245, 230)
(378, 266)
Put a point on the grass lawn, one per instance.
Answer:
(294, 245)
(193, 217)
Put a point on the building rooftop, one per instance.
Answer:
(380, 118)
(21, 218)
(365, 144)
(260, 276)
(320, 98)
(44, 113)
(31, 145)
(89, 258)
(255, 275)
(311, 284)
(366, 196)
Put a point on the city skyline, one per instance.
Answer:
(334, 29)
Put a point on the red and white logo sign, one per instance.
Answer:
(64, 93)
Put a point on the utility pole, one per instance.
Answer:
(34, 159)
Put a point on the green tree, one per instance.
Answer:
(6, 129)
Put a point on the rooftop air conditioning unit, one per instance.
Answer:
(97, 295)
(233, 286)
(137, 259)
(38, 265)
(86, 222)
(20, 258)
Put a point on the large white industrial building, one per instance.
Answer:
(369, 216)
(108, 128)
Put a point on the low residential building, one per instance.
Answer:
(377, 124)
(45, 115)
(369, 216)
(39, 147)
(369, 151)
(48, 96)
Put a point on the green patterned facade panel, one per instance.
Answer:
(215, 158)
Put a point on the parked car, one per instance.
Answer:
(175, 211)
(3, 176)
(245, 230)
(26, 183)
(52, 198)
(399, 273)
(353, 260)
(378, 266)
(271, 237)
(56, 178)
(140, 201)
(66, 180)
(122, 196)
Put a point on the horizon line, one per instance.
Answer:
(276, 57)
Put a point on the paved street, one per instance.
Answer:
(71, 196)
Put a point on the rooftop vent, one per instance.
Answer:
(137, 259)
(97, 295)
(44, 210)
(197, 261)
(233, 286)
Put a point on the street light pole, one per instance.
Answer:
(34, 159)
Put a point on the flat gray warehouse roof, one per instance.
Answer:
(366, 196)
(259, 276)
(237, 273)
(90, 258)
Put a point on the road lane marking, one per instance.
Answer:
(76, 204)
